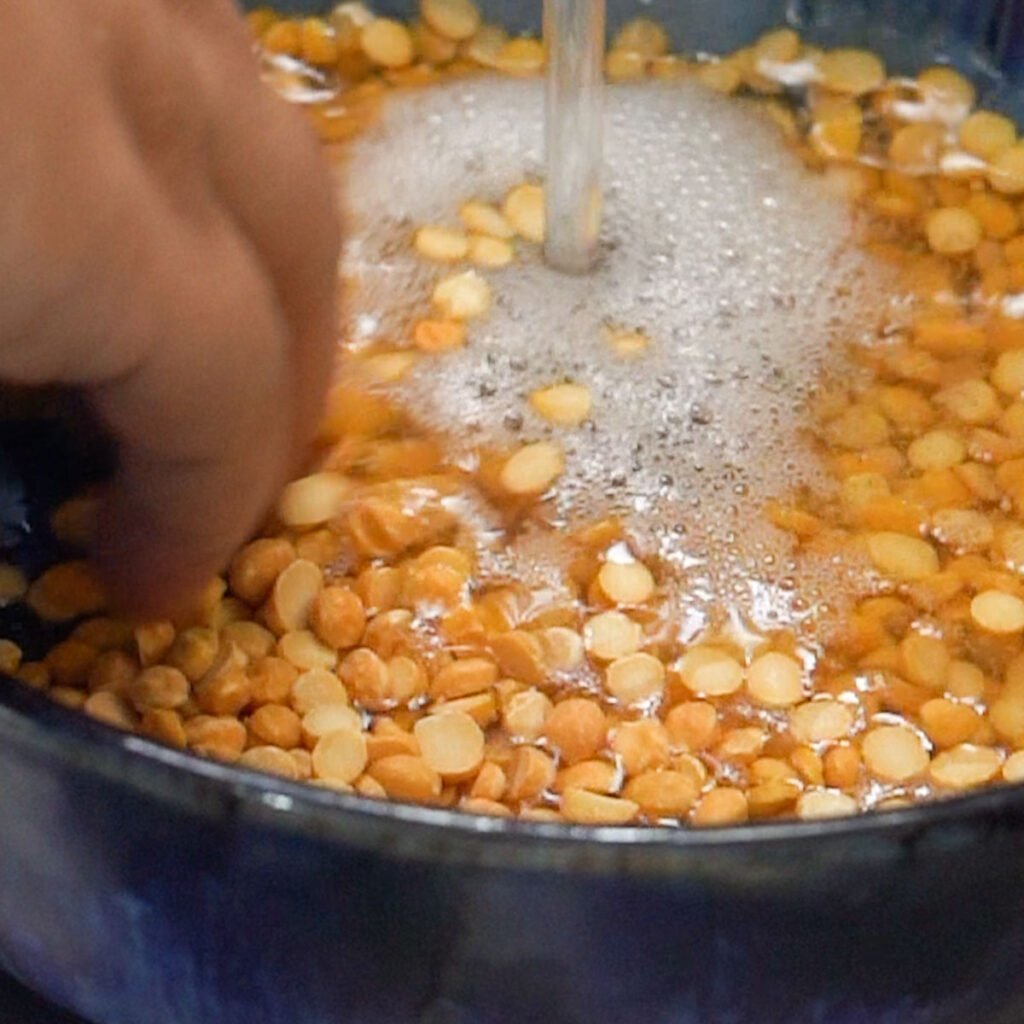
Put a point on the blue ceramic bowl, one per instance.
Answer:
(141, 886)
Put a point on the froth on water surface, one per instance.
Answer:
(719, 246)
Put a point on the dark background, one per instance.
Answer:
(19, 1006)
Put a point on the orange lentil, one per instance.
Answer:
(361, 624)
(164, 726)
(663, 794)
(221, 737)
(407, 777)
(275, 725)
(721, 806)
(69, 662)
(463, 678)
(576, 728)
(255, 568)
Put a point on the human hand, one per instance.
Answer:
(168, 245)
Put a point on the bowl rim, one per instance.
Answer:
(35, 723)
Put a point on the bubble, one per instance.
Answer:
(718, 245)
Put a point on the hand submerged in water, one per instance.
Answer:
(168, 245)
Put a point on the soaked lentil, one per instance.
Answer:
(358, 645)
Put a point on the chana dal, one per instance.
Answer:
(357, 644)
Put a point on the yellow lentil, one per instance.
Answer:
(431, 45)
(525, 715)
(641, 745)
(775, 680)
(315, 687)
(635, 678)
(340, 756)
(463, 296)
(902, 557)
(721, 806)
(159, 687)
(441, 244)
(965, 766)
(451, 743)
(563, 648)
(533, 468)
(493, 253)
(568, 405)
(662, 794)
(532, 773)
(305, 651)
(313, 500)
(642, 36)
(576, 728)
(1013, 768)
(484, 219)
(276, 726)
(388, 43)
(626, 582)
(610, 635)
(407, 777)
(337, 617)
(692, 725)
(324, 719)
(894, 753)
(825, 803)
(953, 231)
(1006, 171)
(998, 612)
(853, 72)
(524, 211)
(521, 56)
(453, 19)
(362, 589)
(270, 760)
(986, 134)
(292, 596)
(710, 673)
(585, 808)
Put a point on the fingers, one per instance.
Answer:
(271, 175)
(171, 249)
(237, 374)
(203, 422)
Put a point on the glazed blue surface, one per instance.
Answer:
(137, 893)
(138, 886)
(141, 886)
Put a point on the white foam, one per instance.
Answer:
(718, 244)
